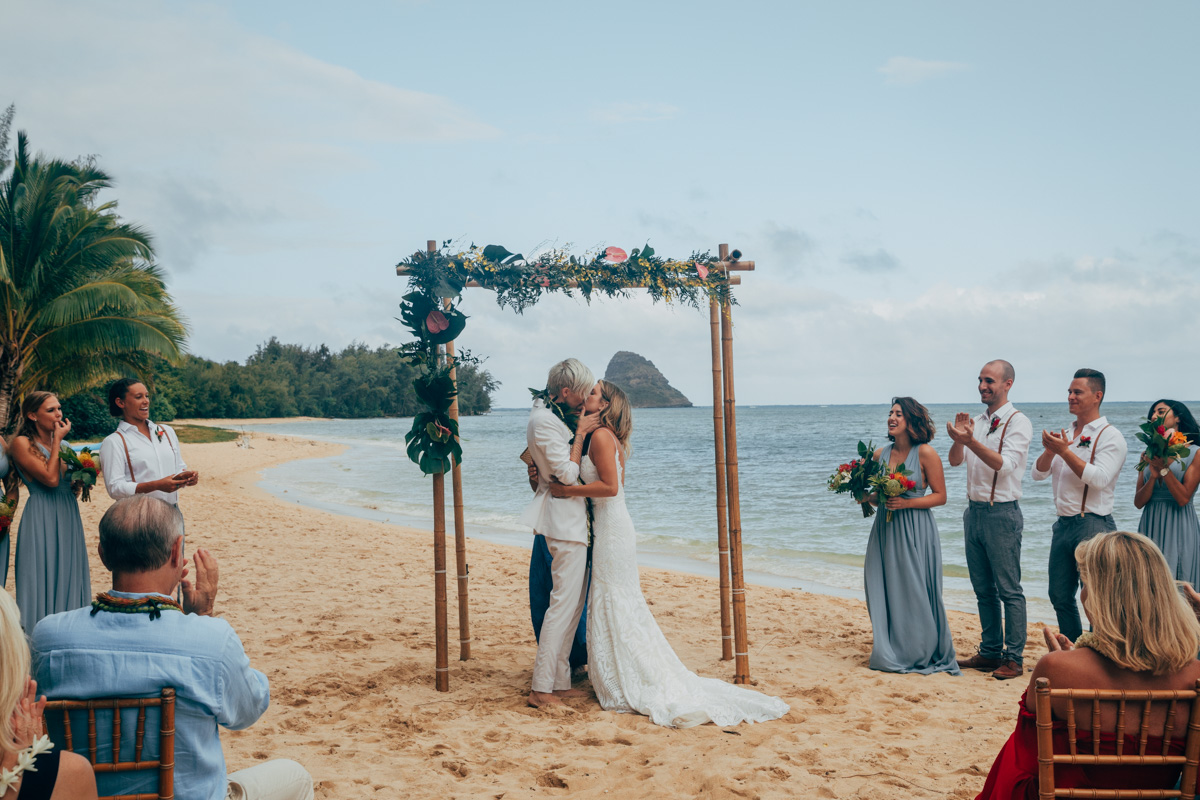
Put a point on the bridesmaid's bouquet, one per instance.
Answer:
(893, 483)
(857, 477)
(1161, 442)
(82, 469)
(8, 509)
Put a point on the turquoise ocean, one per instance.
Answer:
(795, 532)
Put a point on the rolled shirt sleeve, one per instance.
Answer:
(548, 435)
(115, 467)
(1111, 450)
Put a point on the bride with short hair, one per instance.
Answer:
(631, 665)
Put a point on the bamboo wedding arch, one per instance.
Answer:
(734, 639)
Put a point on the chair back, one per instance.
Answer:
(164, 764)
(1047, 758)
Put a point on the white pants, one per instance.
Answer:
(280, 779)
(568, 571)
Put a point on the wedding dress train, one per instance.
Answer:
(631, 665)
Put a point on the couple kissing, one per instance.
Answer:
(579, 440)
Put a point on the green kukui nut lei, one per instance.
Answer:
(154, 606)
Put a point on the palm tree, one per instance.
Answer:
(80, 296)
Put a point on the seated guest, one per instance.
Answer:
(1144, 636)
(136, 640)
(53, 774)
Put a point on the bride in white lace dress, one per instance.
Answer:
(630, 663)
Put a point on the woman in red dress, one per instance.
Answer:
(1144, 636)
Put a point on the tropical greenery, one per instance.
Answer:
(81, 297)
(431, 312)
(281, 380)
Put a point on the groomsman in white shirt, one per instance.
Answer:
(995, 445)
(1084, 462)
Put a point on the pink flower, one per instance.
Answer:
(436, 322)
(615, 255)
(701, 270)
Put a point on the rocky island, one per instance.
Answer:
(641, 380)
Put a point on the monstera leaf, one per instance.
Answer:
(432, 444)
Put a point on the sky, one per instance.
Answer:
(923, 186)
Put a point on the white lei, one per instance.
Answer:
(25, 760)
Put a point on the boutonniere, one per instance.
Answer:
(1084, 442)
(159, 432)
(995, 425)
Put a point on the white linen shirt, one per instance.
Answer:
(152, 459)
(562, 518)
(1014, 455)
(1100, 476)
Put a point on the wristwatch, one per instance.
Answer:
(1163, 472)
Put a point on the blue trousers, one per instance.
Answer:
(540, 584)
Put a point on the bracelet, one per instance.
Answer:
(25, 759)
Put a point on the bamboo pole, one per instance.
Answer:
(714, 318)
(741, 642)
(442, 664)
(460, 531)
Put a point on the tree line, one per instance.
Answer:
(282, 380)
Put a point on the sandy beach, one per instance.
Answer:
(338, 612)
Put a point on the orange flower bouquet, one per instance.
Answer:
(1161, 442)
(82, 470)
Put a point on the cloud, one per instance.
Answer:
(879, 260)
(905, 71)
(623, 113)
(788, 245)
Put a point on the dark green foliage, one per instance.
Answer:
(88, 412)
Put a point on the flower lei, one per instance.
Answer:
(152, 605)
(568, 417)
(25, 759)
(1084, 442)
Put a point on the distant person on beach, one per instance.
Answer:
(1166, 495)
(561, 525)
(995, 445)
(51, 564)
(1084, 462)
(1145, 636)
(903, 568)
(631, 665)
(136, 640)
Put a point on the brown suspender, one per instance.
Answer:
(129, 460)
(1092, 460)
(999, 450)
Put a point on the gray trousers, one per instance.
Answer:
(993, 542)
(1069, 533)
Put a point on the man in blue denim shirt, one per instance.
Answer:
(102, 653)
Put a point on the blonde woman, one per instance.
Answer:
(52, 774)
(632, 666)
(1144, 636)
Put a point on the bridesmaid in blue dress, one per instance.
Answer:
(52, 562)
(1167, 500)
(5, 537)
(903, 570)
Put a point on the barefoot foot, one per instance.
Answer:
(543, 699)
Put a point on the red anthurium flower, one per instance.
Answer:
(436, 322)
(912, 485)
(1161, 429)
(615, 255)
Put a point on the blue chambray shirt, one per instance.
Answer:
(80, 656)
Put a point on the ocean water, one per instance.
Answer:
(795, 532)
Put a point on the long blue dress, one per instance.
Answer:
(1174, 528)
(903, 578)
(6, 542)
(52, 562)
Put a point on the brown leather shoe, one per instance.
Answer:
(1008, 670)
(979, 662)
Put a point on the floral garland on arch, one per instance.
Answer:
(519, 282)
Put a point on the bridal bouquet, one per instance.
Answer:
(1161, 442)
(82, 469)
(8, 508)
(893, 483)
(856, 477)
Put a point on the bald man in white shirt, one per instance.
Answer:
(1084, 462)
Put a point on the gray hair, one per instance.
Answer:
(137, 534)
(570, 374)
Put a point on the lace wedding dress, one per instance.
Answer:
(630, 663)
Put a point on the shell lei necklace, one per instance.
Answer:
(25, 759)
(148, 604)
